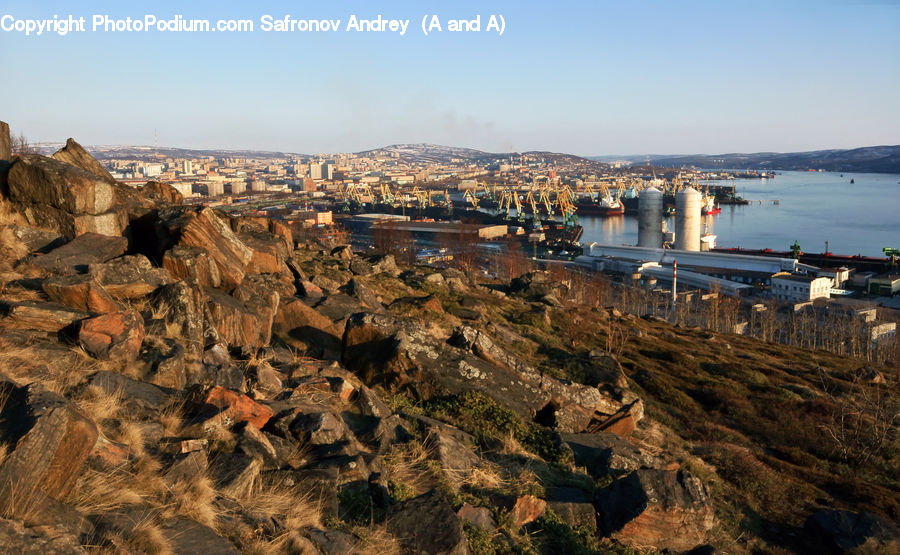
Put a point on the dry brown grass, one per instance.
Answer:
(99, 404)
(194, 499)
(409, 464)
(375, 540)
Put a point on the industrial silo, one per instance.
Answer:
(650, 210)
(687, 219)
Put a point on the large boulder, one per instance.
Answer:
(857, 533)
(662, 509)
(427, 524)
(180, 308)
(74, 154)
(48, 440)
(203, 229)
(269, 252)
(39, 180)
(64, 198)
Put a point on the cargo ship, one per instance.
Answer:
(608, 206)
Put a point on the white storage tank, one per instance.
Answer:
(650, 210)
(687, 219)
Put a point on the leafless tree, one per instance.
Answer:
(864, 418)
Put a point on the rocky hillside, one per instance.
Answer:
(175, 380)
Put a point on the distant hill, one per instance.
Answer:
(106, 152)
(431, 153)
(876, 159)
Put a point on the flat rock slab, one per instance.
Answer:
(602, 452)
(77, 255)
(31, 315)
(129, 277)
(81, 292)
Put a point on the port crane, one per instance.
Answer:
(892, 254)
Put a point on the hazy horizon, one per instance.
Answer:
(608, 77)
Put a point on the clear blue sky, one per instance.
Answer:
(590, 77)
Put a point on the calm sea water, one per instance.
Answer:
(814, 207)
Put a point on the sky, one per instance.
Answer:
(590, 78)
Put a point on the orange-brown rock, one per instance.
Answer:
(237, 407)
(32, 315)
(38, 180)
(75, 155)
(47, 439)
(113, 336)
(238, 323)
(192, 264)
(154, 190)
(661, 509)
(268, 252)
(528, 508)
(204, 229)
(81, 292)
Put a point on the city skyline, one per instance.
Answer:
(609, 78)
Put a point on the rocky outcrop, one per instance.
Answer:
(666, 509)
(15, 537)
(402, 355)
(74, 154)
(67, 199)
(203, 229)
